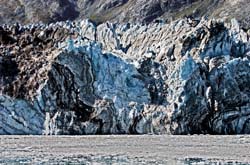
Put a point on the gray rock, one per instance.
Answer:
(143, 11)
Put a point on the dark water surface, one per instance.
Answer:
(145, 149)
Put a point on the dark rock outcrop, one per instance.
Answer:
(186, 77)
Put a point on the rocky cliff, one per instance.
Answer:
(186, 77)
(143, 11)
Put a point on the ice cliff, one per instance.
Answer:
(186, 77)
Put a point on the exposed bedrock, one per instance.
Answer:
(187, 77)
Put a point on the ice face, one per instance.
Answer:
(70, 45)
(187, 68)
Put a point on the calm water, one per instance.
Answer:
(113, 160)
(146, 149)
